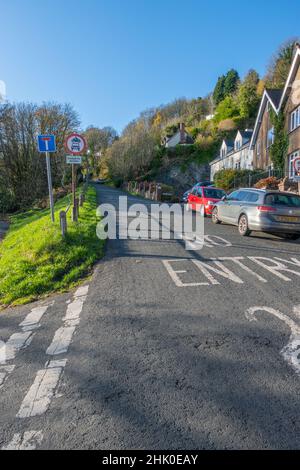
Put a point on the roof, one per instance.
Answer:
(246, 135)
(292, 75)
(272, 96)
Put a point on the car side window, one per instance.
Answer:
(199, 192)
(233, 196)
(243, 196)
(252, 197)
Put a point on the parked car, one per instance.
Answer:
(260, 210)
(204, 199)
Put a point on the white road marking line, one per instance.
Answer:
(33, 318)
(82, 291)
(291, 352)
(174, 275)
(27, 441)
(209, 266)
(74, 309)
(223, 271)
(21, 340)
(237, 260)
(14, 344)
(61, 341)
(39, 396)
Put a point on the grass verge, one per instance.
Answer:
(34, 258)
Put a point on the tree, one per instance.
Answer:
(218, 94)
(227, 109)
(23, 170)
(247, 97)
(231, 82)
(99, 140)
(280, 64)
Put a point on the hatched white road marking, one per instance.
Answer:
(20, 340)
(291, 352)
(27, 441)
(38, 397)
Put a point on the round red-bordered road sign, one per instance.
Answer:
(75, 144)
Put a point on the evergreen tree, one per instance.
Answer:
(231, 82)
(218, 94)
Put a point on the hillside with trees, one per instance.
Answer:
(232, 104)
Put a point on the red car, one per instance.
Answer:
(203, 199)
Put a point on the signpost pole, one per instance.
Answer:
(50, 186)
(74, 192)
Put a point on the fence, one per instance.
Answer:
(144, 188)
(249, 180)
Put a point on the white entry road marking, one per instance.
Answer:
(32, 320)
(39, 396)
(212, 267)
(27, 441)
(291, 352)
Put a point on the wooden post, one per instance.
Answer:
(63, 223)
(75, 210)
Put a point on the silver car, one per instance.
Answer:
(260, 210)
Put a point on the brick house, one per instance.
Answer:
(290, 104)
(288, 101)
(263, 134)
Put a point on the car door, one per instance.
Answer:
(237, 205)
(193, 198)
(226, 208)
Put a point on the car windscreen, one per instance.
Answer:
(214, 193)
(283, 200)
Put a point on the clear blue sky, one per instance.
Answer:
(114, 58)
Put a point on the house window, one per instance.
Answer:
(295, 119)
(238, 145)
(270, 137)
(291, 164)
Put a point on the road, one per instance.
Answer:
(158, 350)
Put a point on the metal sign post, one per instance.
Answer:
(46, 144)
(76, 145)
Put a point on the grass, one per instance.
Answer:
(34, 258)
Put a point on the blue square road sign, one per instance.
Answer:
(46, 143)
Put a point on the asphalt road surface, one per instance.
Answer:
(163, 348)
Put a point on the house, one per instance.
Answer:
(234, 154)
(290, 105)
(263, 134)
(180, 138)
(288, 102)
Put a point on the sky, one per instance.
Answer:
(112, 59)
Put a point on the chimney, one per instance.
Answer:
(182, 133)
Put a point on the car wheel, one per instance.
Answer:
(243, 226)
(214, 216)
